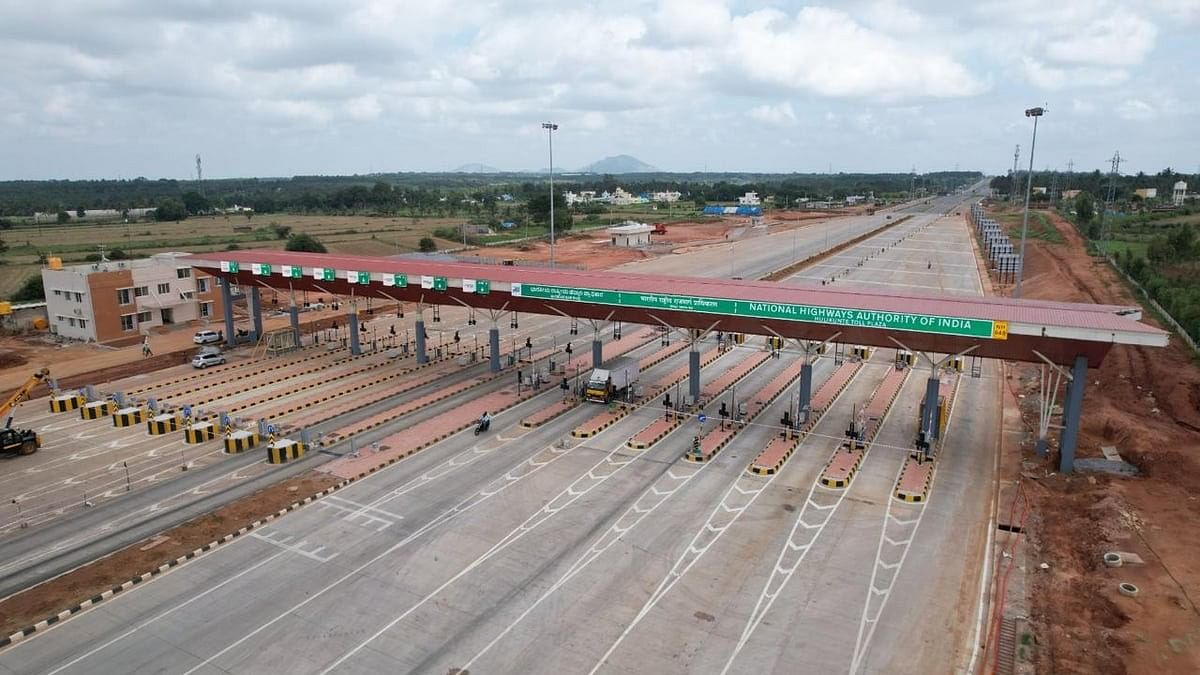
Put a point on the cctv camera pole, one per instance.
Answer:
(550, 128)
(1035, 113)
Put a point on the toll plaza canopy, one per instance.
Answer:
(947, 324)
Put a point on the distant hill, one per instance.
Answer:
(476, 168)
(619, 164)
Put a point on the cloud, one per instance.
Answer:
(779, 115)
(1118, 39)
(1136, 109)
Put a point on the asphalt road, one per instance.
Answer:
(517, 552)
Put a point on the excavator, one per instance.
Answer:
(20, 441)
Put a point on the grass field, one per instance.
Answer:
(1117, 246)
(340, 234)
(1039, 226)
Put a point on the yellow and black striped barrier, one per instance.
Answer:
(95, 410)
(285, 450)
(200, 432)
(127, 417)
(66, 402)
(161, 424)
(240, 441)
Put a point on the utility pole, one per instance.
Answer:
(199, 176)
(550, 128)
(1012, 183)
(1035, 113)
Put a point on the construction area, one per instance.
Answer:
(811, 444)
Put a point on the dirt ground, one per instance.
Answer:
(56, 595)
(1146, 402)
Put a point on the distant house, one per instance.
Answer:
(667, 196)
(749, 199)
(507, 224)
(1070, 194)
(1146, 193)
(1039, 190)
(630, 234)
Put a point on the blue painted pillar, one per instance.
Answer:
(494, 347)
(694, 373)
(1072, 411)
(805, 387)
(227, 310)
(352, 326)
(422, 357)
(597, 354)
(929, 418)
(294, 317)
(255, 303)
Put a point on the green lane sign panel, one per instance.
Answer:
(261, 269)
(477, 286)
(397, 280)
(837, 316)
(358, 277)
(230, 266)
(293, 271)
(440, 283)
(324, 273)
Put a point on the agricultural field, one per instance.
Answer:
(363, 235)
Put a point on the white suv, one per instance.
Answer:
(206, 360)
(205, 337)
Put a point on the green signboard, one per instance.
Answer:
(397, 280)
(358, 277)
(440, 283)
(230, 266)
(838, 316)
(324, 273)
(483, 286)
(261, 269)
(293, 271)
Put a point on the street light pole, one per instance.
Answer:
(1035, 113)
(550, 128)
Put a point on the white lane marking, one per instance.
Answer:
(783, 571)
(556, 504)
(602, 543)
(863, 641)
(701, 542)
(505, 481)
(302, 547)
(93, 651)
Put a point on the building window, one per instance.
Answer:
(183, 272)
(71, 321)
(144, 317)
(163, 289)
(78, 297)
(127, 322)
(57, 293)
(83, 323)
(202, 285)
(139, 291)
(188, 295)
(123, 297)
(205, 309)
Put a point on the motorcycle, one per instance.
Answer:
(482, 426)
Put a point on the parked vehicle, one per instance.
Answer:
(205, 337)
(206, 360)
(20, 441)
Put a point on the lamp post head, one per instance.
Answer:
(550, 126)
(1035, 112)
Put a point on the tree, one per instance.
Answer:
(427, 245)
(63, 217)
(5, 223)
(170, 209)
(304, 242)
(1085, 209)
(80, 213)
(195, 203)
(281, 231)
(31, 291)
(539, 209)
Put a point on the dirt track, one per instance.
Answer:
(1144, 402)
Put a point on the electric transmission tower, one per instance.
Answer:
(1012, 183)
(199, 176)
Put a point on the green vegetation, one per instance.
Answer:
(31, 290)
(427, 245)
(170, 210)
(1169, 270)
(304, 242)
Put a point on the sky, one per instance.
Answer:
(128, 88)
